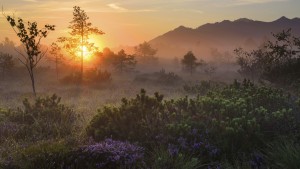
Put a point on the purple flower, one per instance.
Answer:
(173, 150)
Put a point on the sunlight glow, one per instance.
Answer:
(86, 53)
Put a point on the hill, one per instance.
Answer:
(220, 38)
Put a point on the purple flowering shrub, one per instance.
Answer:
(108, 154)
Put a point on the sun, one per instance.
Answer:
(86, 53)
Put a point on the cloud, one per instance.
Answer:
(249, 2)
(30, 0)
(116, 7)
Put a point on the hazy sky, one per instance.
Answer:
(129, 22)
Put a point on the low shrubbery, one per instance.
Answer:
(236, 120)
(107, 154)
(203, 87)
(236, 126)
(160, 77)
(92, 76)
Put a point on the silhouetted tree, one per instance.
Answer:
(276, 60)
(81, 28)
(190, 63)
(6, 63)
(30, 37)
(123, 62)
(56, 56)
(145, 53)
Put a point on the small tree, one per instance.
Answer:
(145, 52)
(276, 61)
(123, 62)
(190, 63)
(6, 63)
(30, 37)
(57, 56)
(81, 28)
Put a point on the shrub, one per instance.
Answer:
(97, 76)
(283, 153)
(160, 77)
(108, 154)
(47, 118)
(231, 121)
(161, 158)
(137, 119)
(203, 87)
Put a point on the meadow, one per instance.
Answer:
(153, 119)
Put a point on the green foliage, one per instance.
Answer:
(283, 153)
(30, 37)
(47, 118)
(239, 118)
(138, 119)
(161, 158)
(277, 61)
(108, 154)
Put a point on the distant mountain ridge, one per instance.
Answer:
(225, 36)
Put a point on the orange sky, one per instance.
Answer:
(131, 22)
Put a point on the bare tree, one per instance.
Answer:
(30, 38)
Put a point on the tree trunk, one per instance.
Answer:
(32, 81)
(56, 62)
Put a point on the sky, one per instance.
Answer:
(130, 22)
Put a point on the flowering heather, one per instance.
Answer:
(115, 152)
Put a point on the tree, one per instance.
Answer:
(190, 63)
(6, 63)
(276, 61)
(145, 52)
(81, 29)
(30, 38)
(57, 56)
(123, 62)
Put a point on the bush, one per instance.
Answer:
(97, 76)
(47, 118)
(92, 76)
(283, 153)
(237, 119)
(108, 154)
(203, 87)
(137, 119)
(161, 158)
(160, 77)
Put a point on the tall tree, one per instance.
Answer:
(81, 29)
(145, 52)
(190, 63)
(30, 37)
(123, 62)
(6, 63)
(56, 56)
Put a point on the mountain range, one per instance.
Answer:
(222, 37)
